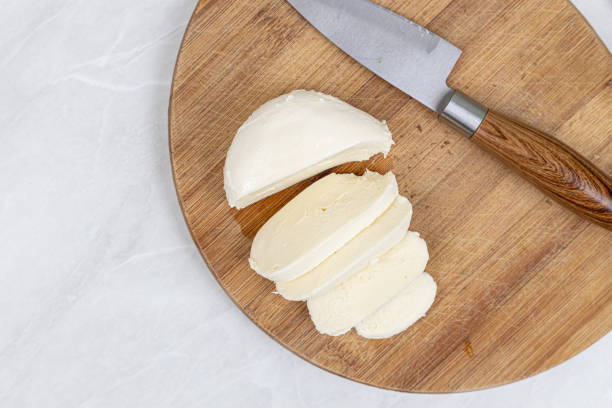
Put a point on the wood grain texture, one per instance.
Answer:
(523, 283)
(555, 168)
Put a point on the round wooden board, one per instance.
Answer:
(523, 284)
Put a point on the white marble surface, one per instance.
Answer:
(104, 300)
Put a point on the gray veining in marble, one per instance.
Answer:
(104, 300)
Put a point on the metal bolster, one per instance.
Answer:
(463, 113)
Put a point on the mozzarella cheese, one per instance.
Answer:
(296, 136)
(318, 222)
(369, 244)
(402, 311)
(336, 311)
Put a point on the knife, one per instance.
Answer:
(417, 62)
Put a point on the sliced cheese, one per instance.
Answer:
(369, 244)
(402, 311)
(336, 311)
(296, 136)
(318, 222)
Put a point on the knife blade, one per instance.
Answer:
(405, 54)
(418, 62)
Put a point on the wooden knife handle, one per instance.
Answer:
(555, 168)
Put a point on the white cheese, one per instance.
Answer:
(336, 311)
(369, 244)
(318, 222)
(296, 136)
(402, 311)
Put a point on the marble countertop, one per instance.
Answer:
(105, 299)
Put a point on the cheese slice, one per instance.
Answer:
(296, 136)
(318, 222)
(369, 244)
(336, 311)
(402, 311)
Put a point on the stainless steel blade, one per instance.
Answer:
(403, 53)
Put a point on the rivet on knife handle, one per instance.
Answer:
(552, 166)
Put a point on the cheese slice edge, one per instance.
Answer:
(402, 311)
(318, 222)
(371, 243)
(338, 310)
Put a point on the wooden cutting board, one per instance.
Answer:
(523, 284)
